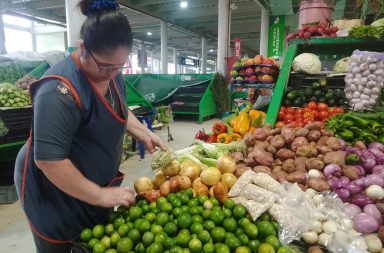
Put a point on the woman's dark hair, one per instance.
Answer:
(105, 29)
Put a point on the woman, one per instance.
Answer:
(64, 174)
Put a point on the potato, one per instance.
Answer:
(240, 170)
(262, 169)
(324, 149)
(178, 183)
(276, 168)
(150, 195)
(284, 154)
(360, 145)
(334, 143)
(313, 135)
(297, 177)
(298, 142)
(320, 157)
(307, 151)
(336, 157)
(250, 161)
(277, 142)
(268, 140)
(238, 157)
(260, 134)
(322, 141)
(275, 131)
(325, 132)
(314, 164)
(380, 233)
(249, 139)
(199, 187)
(260, 145)
(270, 149)
(288, 134)
(159, 179)
(250, 150)
(315, 249)
(164, 189)
(318, 184)
(220, 191)
(313, 126)
(300, 163)
(280, 176)
(289, 166)
(142, 184)
(302, 132)
(262, 157)
(277, 162)
(351, 172)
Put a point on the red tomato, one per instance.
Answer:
(299, 117)
(290, 110)
(288, 116)
(315, 114)
(287, 121)
(279, 124)
(293, 124)
(281, 115)
(339, 110)
(306, 109)
(282, 108)
(307, 120)
(323, 115)
(322, 107)
(312, 105)
(299, 110)
(307, 114)
(300, 123)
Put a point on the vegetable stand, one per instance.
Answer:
(328, 50)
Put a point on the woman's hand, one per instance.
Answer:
(115, 196)
(151, 141)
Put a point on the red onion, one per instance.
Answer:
(378, 169)
(361, 200)
(342, 144)
(376, 152)
(344, 180)
(337, 183)
(380, 160)
(359, 181)
(368, 159)
(373, 179)
(376, 145)
(353, 150)
(365, 223)
(361, 170)
(332, 170)
(351, 210)
(343, 194)
(372, 210)
(354, 188)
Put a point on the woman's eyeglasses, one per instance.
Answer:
(107, 69)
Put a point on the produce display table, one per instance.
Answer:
(330, 49)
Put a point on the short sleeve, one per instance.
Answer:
(57, 117)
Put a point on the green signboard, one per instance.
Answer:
(276, 36)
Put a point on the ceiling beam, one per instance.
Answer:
(192, 5)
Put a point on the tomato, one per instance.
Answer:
(306, 109)
(323, 115)
(300, 123)
(287, 121)
(288, 116)
(307, 120)
(299, 117)
(290, 110)
(322, 107)
(322, 126)
(282, 108)
(281, 115)
(339, 110)
(299, 111)
(293, 124)
(312, 105)
(279, 124)
(307, 114)
(315, 114)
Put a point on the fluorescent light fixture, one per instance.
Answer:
(211, 50)
(149, 33)
(183, 4)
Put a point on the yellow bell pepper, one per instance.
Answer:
(224, 138)
(236, 137)
(251, 130)
(253, 114)
(241, 123)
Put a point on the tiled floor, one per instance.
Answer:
(15, 236)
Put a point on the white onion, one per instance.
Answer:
(353, 87)
(366, 73)
(356, 70)
(364, 80)
(364, 66)
(314, 173)
(358, 75)
(375, 90)
(348, 96)
(371, 84)
(329, 227)
(379, 72)
(360, 88)
(371, 77)
(356, 94)
(372, 67)
(367, 91)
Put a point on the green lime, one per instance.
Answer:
(169, 242)
(155, 211)
(251, 230)
(196, 228)
(146, 209)
(243, 221)
(254, 245)
(160, 237)
(202, 199)
(106, 241)
(156, 228)
(239, 231)
(153, 205)
(194, 236)
(142, 203)
(275, 225)
(166, 207)
(206, 213)
(204, 236)
(86, 235)
(114, 239)
(155, 248)
(123, 230)
(193, 202)
(140, 248)
(175, 203)
(243, 249)
(265, 248)
(175, 249)
(217, 217)
(208, 248)
(170, 228)
(265, 229)
(239, 212)
(99, 248)
(114, 251)
(208, 225)
(197, 218)
(232, 242)
(284, 249)
(189, 192)
(176, 212)
(194, 210)
(229, 234)
(113, 215)
(222, 248)
(243, 239)
(134, 235)
(151, 217)
(230, 225)
(227, 212)
(272, 240)
(214, 202)
(109, 229)
(185, 231)
(121, 209)
(161, 200)
(118, 222)
(185, 209)
(135, 213)
(265, 217)
(171, 196)
(144, 226)
(162, 218)
(98, 231)
(184, 220)
(216, 208)
(92, 242)
(183, 198)
(195, 246)
(124, 245)
(147, 238)
(182, 239)
(218, 234)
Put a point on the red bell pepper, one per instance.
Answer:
(219, 128)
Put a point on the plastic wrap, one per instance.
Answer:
(3, 129)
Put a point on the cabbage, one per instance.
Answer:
(379, 22)
(307, 63)
(341, 65)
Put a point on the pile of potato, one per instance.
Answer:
(25, 82)
(296, 155)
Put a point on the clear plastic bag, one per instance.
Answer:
(263, 99)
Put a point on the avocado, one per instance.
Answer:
(316, 86)
(317, 93)
(308, 92)
(329, 95)
(322, 100)
(331, 102)
(288, 89)
(313, 99)
(340, 101)
(292, 95)
(286, 102)
(297, 102)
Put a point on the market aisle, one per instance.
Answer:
(15, 236)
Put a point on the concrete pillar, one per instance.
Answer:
(152, 63)
(264, 31)
(198, 67)
(164, 48)
(2, 36)
(204, 55)
(175, 59)
(33, 34)
(75, 20)
(142, 57)
(223, 35)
